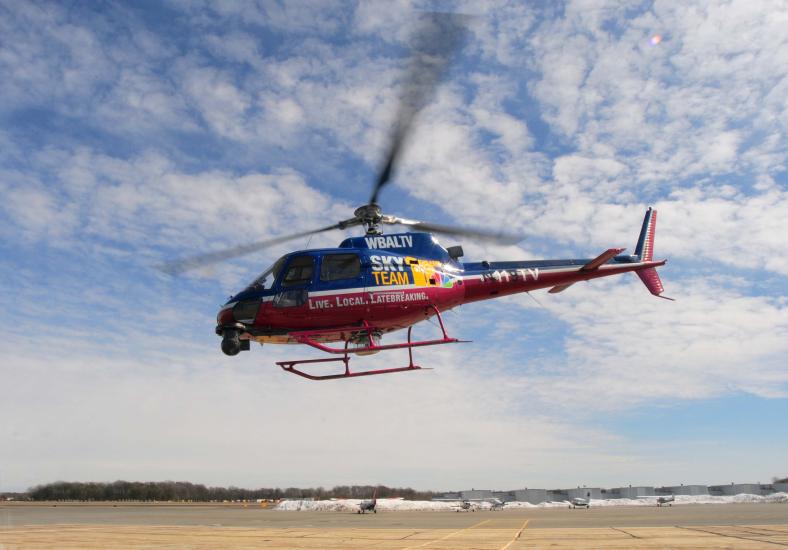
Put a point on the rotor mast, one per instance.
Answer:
(370, 217)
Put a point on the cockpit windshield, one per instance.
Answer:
(266, 280)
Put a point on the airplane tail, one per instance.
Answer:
(645, 251)
(645, 246)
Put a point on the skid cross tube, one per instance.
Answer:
(367, 331)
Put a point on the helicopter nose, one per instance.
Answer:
(225, 316)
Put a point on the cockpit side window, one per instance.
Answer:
(299, 271)
(335, 267)
(266, 280)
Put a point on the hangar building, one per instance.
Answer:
(536, 496)
(631, 492)
(683, 490)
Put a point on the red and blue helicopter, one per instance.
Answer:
(343, 301)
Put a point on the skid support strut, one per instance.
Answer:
(366, 332)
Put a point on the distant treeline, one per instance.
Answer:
(185, 491)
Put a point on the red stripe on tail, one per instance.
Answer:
(648, 245)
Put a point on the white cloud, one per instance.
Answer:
(434, 428)
(741, 231)
(221, 103)
(235, 46)
(681, 106)
(143, 102)
(722, 150)
(626, 349)
(390, 21)
(489, 114)
(501, 30)
(147, 203)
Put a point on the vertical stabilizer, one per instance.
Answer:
(645, 251)
(645, 246)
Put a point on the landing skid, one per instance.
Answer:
(366, 331)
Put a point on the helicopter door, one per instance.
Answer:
(295, 282)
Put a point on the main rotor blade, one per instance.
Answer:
(434, 44)
(176, 267)
(479, 234)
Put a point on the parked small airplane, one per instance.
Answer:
(471, 504)
(369, 505)
(661, 501)
(579, 502)
(466, 506)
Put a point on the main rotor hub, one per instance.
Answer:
(370, 215)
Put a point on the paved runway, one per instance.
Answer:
(211, 526)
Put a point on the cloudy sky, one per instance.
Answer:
(135, 133)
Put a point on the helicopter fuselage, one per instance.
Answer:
(390, 282)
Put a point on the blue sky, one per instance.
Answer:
(133, 134)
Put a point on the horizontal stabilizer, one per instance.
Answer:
(601, 259)
(651, 279)
(559, 288)
(590, 266)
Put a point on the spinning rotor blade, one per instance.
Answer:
(176, 267)
(434, 43)
(480, 234)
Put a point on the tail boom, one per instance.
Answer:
(486, 280)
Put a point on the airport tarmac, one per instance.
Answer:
(28, 525)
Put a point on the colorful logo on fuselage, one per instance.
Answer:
(389, 270)
(405, 270)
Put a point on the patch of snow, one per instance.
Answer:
(398, 504)
(351, 505)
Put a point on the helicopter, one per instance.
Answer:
(342, 301)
